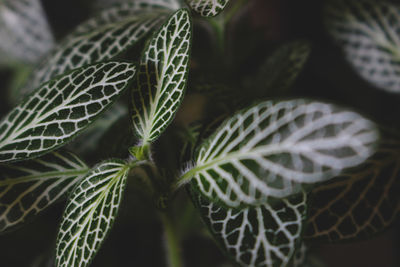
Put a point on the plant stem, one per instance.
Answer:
(172, 248)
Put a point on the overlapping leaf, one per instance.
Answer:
(359, 203)
(273, 147)
(29, 187)
(58, 110)
(256, 236)
(368, 32)
(162, 77)
(207, 8)
(24, 32)
(90, 212)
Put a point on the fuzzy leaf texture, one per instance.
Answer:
(271, 148)
(60, 109)
(359, 203)
(207, 8)
(24, 31)
(162, 76)
(29, 187)
(368, 33)
(265, 236)
(90, 213)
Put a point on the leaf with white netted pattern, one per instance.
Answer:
(60, 109)
(368, 32)
(29, 187)
(267, 235)
(90, 213)
(207, 8)
(271, 148)
(138, 4)
(24, 31)
(162, 76)
(360, 203)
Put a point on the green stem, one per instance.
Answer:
(172, 248)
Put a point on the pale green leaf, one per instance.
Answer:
(29, 187)
(90, 213)
(24, 31)
(207, 8)
(359, 203)
(256, 236)
(271, 148)
(368, 32)
(60, 109)
(162, 76)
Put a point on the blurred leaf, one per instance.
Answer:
(207, 8)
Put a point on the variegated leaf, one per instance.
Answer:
(368, 32)
(207, 8)
(90, 213)
(60, 109)
(162, 77)
(24, 32)
(267, 235)
(139, 4)
(358, 204)
(271, 148)
(29, 187)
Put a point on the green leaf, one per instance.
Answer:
(359, 203)
(256, 236)
(24, 32)
(162, 76)
(271, 148)
(29, 187)
(139, 4)
(90, 213)
(207, 8)
(367, 31)
(60, 109)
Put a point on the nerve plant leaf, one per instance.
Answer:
(90, 213)
(60, 109)
(29, 187)
(367, 31)
(139, 4)
(24, 32)
(256, 236)
(358, 204)
(207, 8)
(161, 80)
(270, 149)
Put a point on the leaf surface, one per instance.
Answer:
(207, 8)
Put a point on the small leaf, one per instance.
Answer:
(60, 109)
(359, 203)
(24, 31)
(272, 148)
(256, 236)
(90, 213)
(367, 31)
(29, 187)
(162, 76)
(207, 8)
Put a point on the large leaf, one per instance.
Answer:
(256, 236)
(90, 213)
(272, 148)
(29, 187)
(360, 203)
(24, 32)
(207, 8)
(162, 77)
(368, 32)
(60, 109)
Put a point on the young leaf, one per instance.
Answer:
(358, 204)
(367, 31)
(256, 236)
(161, 80)
(24, 32)
(60, 109)
(207, 8)
(29, 187)
(90, 212)
(273, 147)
